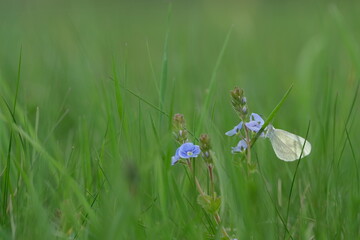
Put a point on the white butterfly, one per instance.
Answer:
(287, 146)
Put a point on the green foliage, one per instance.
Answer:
(210, 204)
(87, 94)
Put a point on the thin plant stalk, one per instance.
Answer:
(202, 193)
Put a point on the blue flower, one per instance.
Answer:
(175, 158)
(235, 130)
(255, 124)
(187, 150)
(240, 147)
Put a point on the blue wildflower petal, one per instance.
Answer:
(175, 158)
(256, 117)
(189, 150)
(197, 150)
(240, 147)
(256, 122)
(235, 130)
(253, 126)
(184, 149)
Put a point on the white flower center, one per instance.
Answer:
(189, 153)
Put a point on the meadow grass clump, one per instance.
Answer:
(186, 154)
(88, 92)
(287, 146)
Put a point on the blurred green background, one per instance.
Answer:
(86, 153)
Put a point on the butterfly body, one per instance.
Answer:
(287, 146)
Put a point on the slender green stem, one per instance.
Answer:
(202, 193)
(248, 144)
(211, 176)
(293, 180)
(218, 221)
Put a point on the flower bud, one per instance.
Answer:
(205, 147)
(238, 101)
(243, 100)
(244, 110)
(179, 128)
(237, 92)
(179, 121)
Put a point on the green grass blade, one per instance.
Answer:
(271, 116)
(273, 202)
(6, 186)
(355, 161)
(164, 72)
(118, 95)
(293, 180)
(352, 104)
(147, 102)
(152, 67)
(212, 85)
(17, 82)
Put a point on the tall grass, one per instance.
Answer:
(88, 91)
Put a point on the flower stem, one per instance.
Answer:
(202, 193)
(198, 186)
(211, 176)
(248, 150)
(218, 221)
(248, 145)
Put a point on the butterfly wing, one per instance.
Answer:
(288, 146)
